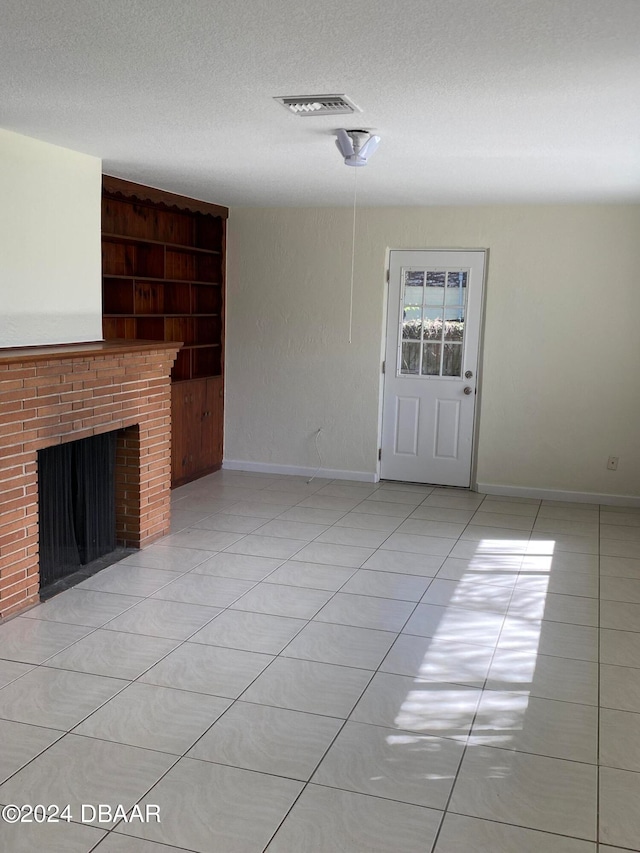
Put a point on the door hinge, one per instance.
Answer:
(387, 275)
(384, 363)
(379, 454)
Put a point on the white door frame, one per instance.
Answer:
(384, 360)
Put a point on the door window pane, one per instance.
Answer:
(414, 278)
(431, 359)
(434, 291)
(456, 288)
(452, 360)
(410, 359)
(412, 299)
(411, 320)
(433, 324)
(454, 324)
(411, 329)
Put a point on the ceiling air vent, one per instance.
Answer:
(318, 105)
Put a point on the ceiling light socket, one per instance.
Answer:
(356, 146)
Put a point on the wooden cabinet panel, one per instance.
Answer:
(182, 431)
(197, 428)
(213, 422)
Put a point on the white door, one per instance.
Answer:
(433, 334)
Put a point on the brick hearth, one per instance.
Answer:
(51, 395)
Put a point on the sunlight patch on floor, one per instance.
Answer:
(483, 610)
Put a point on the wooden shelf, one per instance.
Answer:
(166, 314)
(123, 238)
(163, 262)
(161, 280)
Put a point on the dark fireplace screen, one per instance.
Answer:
(76, 502)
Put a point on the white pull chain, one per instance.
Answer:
(353, 249)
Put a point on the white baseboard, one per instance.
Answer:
(558, 495)
(484, 488)
(299, 471)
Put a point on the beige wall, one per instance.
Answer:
(49, 243)
(560, 370)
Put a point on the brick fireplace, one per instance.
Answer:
(52, 395)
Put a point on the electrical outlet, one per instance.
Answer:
(612, 463)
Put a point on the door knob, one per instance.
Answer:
(468, 374)
(467, 390)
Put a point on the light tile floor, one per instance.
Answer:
(329, 666)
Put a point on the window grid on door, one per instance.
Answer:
(431, 334)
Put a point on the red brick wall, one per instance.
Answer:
(53, 395)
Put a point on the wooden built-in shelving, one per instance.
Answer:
(163, 263)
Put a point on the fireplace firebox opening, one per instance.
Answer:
(76, 500)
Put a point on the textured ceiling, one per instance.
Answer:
(476, 101)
